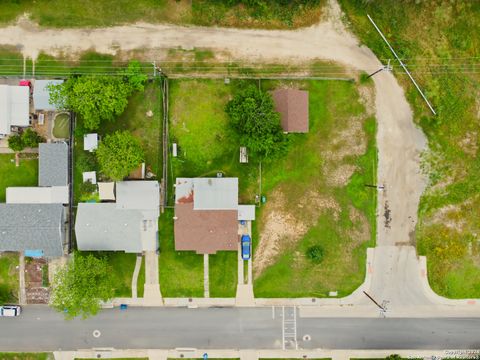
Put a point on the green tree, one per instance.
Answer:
(134, 76)
(252, 114)
(94, 98)
(31, 139)
(80, 286)
(119, 154)
(15, 143)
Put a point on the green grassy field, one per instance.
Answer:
(223, 275)
(26, 356)
(91, 13)
(181, 272)
(8, 278)
(10, 175)
(141, 279)
(439, 43)
(62, 126)
(346, 226)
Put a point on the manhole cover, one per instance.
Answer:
(96, 333)
(307, 338)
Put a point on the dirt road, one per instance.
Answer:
(399, 141)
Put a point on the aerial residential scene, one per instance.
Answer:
(239, 179)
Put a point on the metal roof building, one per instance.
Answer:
(215, 193)
(53, 164)
(14, 107)
(35, 227)
(41, 94)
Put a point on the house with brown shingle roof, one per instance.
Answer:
(292, 104)
(206, 214)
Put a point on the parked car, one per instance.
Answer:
(10, 310)
(246, 247)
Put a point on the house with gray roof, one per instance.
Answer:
(33, 227)
(130, 224)
(53, 164)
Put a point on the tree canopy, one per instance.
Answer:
(31, 139)
(98, 98)
(15, 143)
(80, 286)
(252, 114)
(94, 98)
(118, 154)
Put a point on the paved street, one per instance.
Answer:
(39, 328)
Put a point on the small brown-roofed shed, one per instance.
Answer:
(205, 231)
(292, 104)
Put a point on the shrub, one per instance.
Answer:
(15, 143)
(31, 139)
(315, 254)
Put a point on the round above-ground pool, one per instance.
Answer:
(61, 126)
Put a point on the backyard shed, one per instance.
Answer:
(106, 191)
(41, 95)
(14, 107)
(90, 142)
(292, 104)
(90, 176)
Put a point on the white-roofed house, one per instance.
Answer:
(14, 108)
(90, 142)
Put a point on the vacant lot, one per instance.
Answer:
(316, 194)
(91, 13)
(10, 175)
(8, 277)
(439, 42)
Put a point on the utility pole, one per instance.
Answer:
(403, 65)
(376, 303)
(387, 67)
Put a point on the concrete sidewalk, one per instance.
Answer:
(252, 354)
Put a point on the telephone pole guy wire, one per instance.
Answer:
(402, 64)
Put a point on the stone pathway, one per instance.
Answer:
(136, 271)
(206, 277)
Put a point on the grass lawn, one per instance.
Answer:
(8, 277)
(61, 128)
(317, 196)
(114, 359)
(440, 44)
(10, 175)
(91, 13)
(26, 356)
(141, 279)
(223, 275)
(134, 119)
(181, 272)
(146, 129)
(122, 266)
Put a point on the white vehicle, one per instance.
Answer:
(10, 310)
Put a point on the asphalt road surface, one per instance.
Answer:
(42, 329)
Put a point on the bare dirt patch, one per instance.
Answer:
(283, 227)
